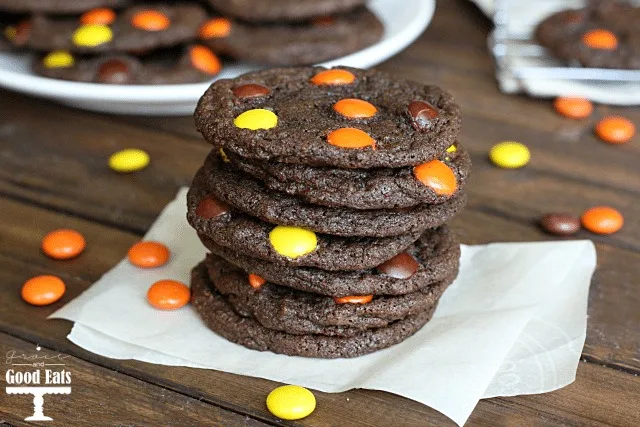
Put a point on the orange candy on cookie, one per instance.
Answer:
(203, 59)
(615, 129)
(43, 290)
(600, 39)
(256, 281)
(573, 108)
(354, 299)
(63, 244)
(99, 16)
(350, 138)
(438, 176)
(602, 220)
(355, 108)
(333, 77)
(215, 28)
(150, 20)
(168, 295)
(148, 254)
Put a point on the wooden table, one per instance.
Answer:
(53, 173)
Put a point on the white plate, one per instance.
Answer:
(403, 24)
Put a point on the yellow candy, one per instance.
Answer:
(58, 59)
(291, 402)
(129, 160)
(293, 242)
(223, 155)
(10, 32)
(509, 155)
(92, 35)
(452, 149)
(256, 119)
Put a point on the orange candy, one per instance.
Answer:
(168, 295)
(615, 129)
(600, 39)
(63, 244)
(256, 281)
(355, 108)
(354, 299)
(323, 21)
(602, 220)
(43, 290)
(350, 138)
(215, 28)
(148, 254)
(150, 20)
(203, 59)
(333, 77)
(99, 16)
(574, 108)
(438, 176)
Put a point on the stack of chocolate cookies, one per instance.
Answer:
(323, 204)
(163, 42)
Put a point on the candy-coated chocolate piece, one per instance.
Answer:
(293, 242)
(20, 33)
(150, 20)
(573, 108)
(223, 155)
(148, 254)
(510, 155)
(334, 77)
(437, 176)
(250, 90)
(256, 281)
(203, 59)
(114, 71)
(63, 244)
(43, 290)
(600, 39)
(291, 402)
(452, 149)
(401, 266)
(323, 21)
(58, 59)
(354, 299)
(256, 119)
(99, 16)
(210, 208)
(602, 220)
(215, 28)
(422, 114)
(355, 108)
(350, 138)
(168, 295)
(10, 32)
(92, 35)
(562, 224)
(129, 160)
(615, 129)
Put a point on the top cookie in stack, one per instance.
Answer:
(323, 204)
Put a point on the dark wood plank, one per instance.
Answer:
(92, 401)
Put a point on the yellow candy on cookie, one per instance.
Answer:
(452, 149)
(293, 242)
(58, 59)
(258, 118)
(92, 35)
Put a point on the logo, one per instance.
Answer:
(38, 375)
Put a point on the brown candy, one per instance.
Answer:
(250, 91)
(560, 223)
(401, 266)
(114, 71)
(210, 207)
(23, 32)
(422, 113)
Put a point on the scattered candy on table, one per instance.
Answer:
(354, 299)
(291, 402)
(129, 160)
(168, 295)
(602, 220)
(293, 242)
(573, 108)
(63, 244)
(509, 155)
(615, 129)
(43, 290)
(561, 224)
(148, 254)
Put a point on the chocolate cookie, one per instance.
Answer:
(137, 29)
(57, 6)
(345, 118)
(293, 44)
(602, 35)
(283, 10)
(432, 258)
(355, 188)
(295, 312)
(187, 64)
(219, 316)
(247, 195)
